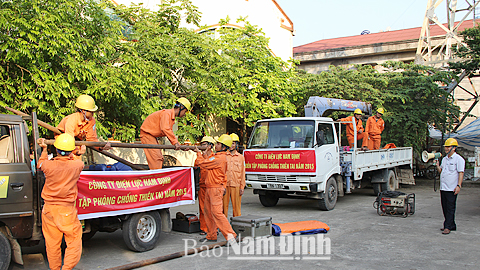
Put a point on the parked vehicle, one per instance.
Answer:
(21, 203)
(302, 157)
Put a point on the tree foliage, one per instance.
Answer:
(51, 51)
(470, 55)
(134, 62)
(411, 95)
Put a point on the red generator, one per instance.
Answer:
(395, 203)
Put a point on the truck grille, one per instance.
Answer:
(278, 178)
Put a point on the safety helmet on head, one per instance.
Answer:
(208, 139)
(451, 142)
(380, 111)
(357, 111)
(226, 140)
(185, 103)
(65, 142)
(86, 102)
(235, 137)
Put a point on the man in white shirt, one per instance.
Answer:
(451, 177)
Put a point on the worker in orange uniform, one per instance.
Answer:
(216, 181)
(209, 143)
(160, 124)
(59, 214)
(235, 178)
(357, 115)
(81, 124)
(373, 130)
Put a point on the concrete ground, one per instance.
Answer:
(359, 237)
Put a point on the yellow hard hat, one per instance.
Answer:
(381, 110)
(65, 142)
(225, 139)
(451, 142)
(358, 111)
(297, 129)
(235, 137)
(208, 139)
(86, 102)
(185, 103)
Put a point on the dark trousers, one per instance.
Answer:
(449, 201)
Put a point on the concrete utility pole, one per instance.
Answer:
(435, 49)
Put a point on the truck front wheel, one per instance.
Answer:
(5, 252)
(142, 231)
(330, 197)
(269, 199)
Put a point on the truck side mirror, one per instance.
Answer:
(320, 138)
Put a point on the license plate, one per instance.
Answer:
(275, 186)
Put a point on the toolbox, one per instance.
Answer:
(183, 225)
(252, 226)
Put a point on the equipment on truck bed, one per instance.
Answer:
(395, 203)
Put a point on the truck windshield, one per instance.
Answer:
(283, 134)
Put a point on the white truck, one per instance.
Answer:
(302, 157)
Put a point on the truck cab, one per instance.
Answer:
(291, 157)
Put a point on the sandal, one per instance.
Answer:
(203, 233)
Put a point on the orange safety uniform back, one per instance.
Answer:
(217, 168)
(76, 125)
(61, 174)
(203, 171)
(374, 127)
(159, 124)
(235, 170)
(349, 129)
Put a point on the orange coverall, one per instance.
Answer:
(76, 125)
(201, 194)
(373, 129)
(350, 131)
(59, 214)
(215, 183)
(235, 183)
(157, 124)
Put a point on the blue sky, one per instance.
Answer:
(320, 19)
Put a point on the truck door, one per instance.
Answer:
(16, 192)
(326, 151)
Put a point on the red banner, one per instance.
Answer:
(284, 161)
(111, 193)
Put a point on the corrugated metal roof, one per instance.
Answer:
(383, 37)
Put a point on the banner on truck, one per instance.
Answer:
(112, 193)
(280, 161)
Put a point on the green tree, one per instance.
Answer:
(470, 55)
(411, 95)
(250, 83)
(235, 76)
(51, 51)
(415, 100)
(134, 62)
